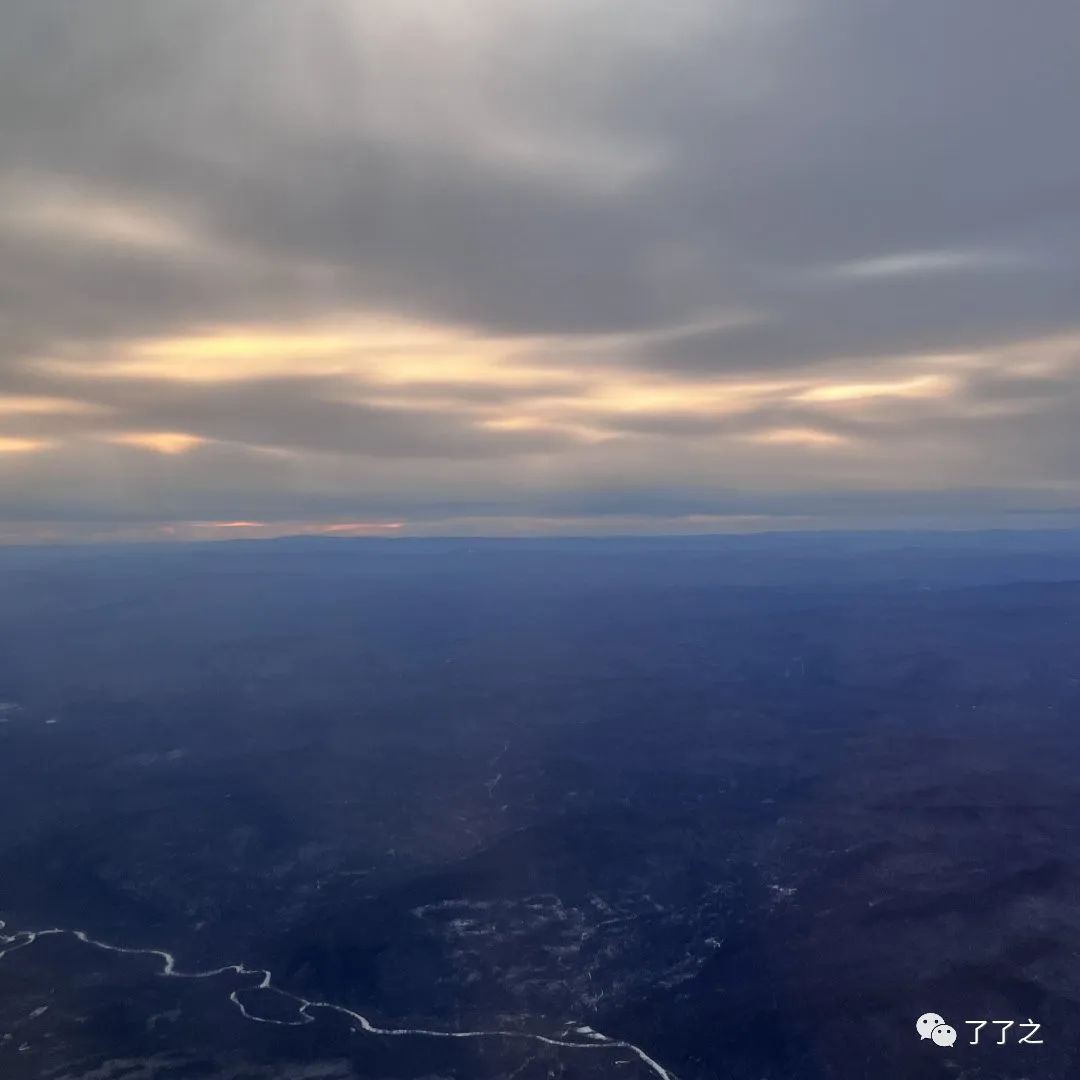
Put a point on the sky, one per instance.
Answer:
(392, 267)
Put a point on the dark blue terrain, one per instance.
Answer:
(739, 808)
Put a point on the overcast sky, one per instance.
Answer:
(488, 266)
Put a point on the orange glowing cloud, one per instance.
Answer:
(160, 442)
(10, 445)
(798, 437)
(29, 405)
(917, 387)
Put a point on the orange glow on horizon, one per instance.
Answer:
(359, 526)
(266, 530)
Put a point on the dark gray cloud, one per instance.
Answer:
(587, 197)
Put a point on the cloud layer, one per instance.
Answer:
(467, 266)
